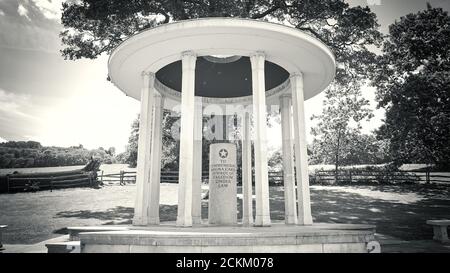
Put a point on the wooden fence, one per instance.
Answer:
(124, 177)
(319, 177)
(380, 176)
(47, 181)
(79, 178)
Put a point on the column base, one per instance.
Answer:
(140, 221)
(153, 221)
(183, 223)
(262, 221)
(305, 221)
(247, 222)
(196, 220)
(290, 220)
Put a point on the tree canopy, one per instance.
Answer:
(337, 134)
(94, 27)
(26, 154)
(413, 83)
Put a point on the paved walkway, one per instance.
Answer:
(35, 248)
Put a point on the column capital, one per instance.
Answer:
(258, 54)
(158, 96)
(148, 74)
(286, 95)
(296, 75)
(257, 60)
(188, 60)
(188, 53)
(148, 79)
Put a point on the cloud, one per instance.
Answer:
(26, 25)
(12, 103)
(23, 11)
(16, 117)
(51, 9)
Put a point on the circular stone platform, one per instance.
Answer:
(287, 51)
(318, 238)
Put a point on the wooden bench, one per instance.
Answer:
(2, 227)
(440, 230)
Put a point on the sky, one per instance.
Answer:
(66, 103)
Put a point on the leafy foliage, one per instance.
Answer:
(413, 82)
(27, 154)
(93, 27)
(337, 135)
(170, 147)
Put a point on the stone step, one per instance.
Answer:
(63, 247)
(75, 231)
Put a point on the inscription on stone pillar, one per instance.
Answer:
(222, 184)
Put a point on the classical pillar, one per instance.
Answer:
(144, 147)
(290, 201)
(186, 166)
(301, 155)
(247, 192)
(262, 217)
(155, 160)
(197, 173)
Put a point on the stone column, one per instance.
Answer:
(155, 160)
(247, 187)
(262, 217)
(197, 173)
(186, 166)
(301, 156)
(144, 150)
(290, 201)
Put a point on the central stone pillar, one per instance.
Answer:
(222, 184)
(184, 213)
(262, 217)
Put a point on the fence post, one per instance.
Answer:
(427, 175)
(7, 182)
(121, 178)
(101, 179)
(51, 184)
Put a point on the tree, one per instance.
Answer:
(18, 154)
(111, 151)
(413, 82)
(170, 147)
(364, 149)
(132, 147)
(94, 27)
(275, 162)
(339, 124)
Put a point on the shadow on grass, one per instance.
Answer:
(404, 220)
(116, 216)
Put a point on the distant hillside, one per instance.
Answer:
(27, 154)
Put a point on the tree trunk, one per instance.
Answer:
(336, 160)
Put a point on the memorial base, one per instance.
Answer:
(318, 238)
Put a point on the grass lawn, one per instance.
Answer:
(399, 211)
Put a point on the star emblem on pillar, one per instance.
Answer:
(223, 153)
